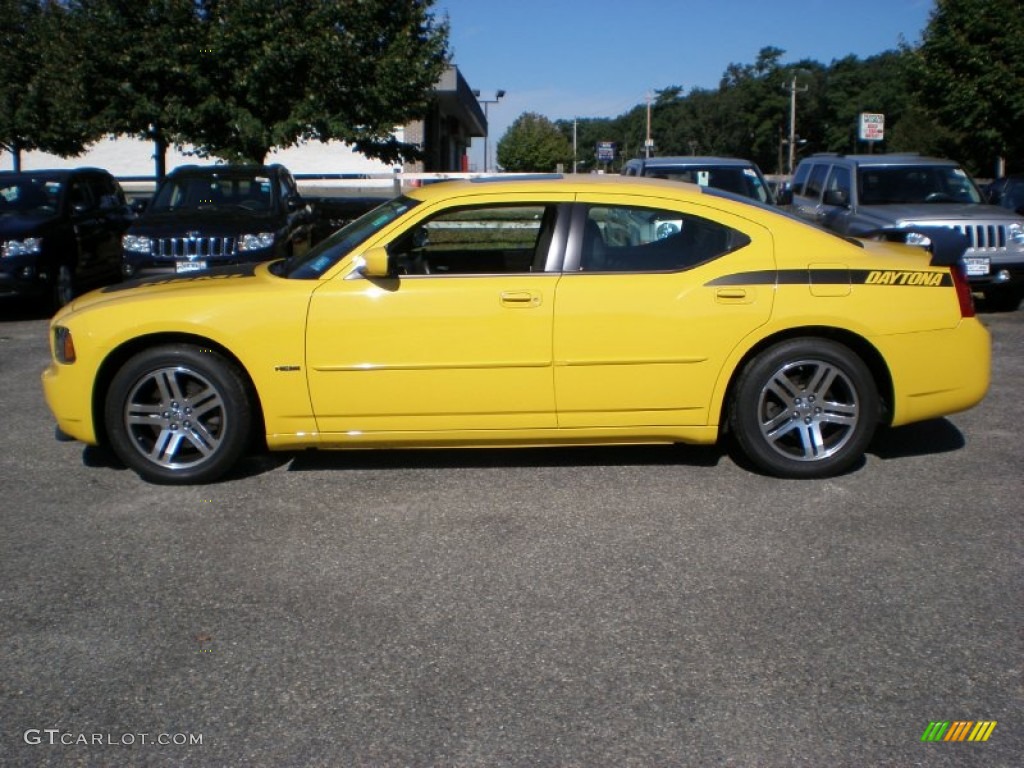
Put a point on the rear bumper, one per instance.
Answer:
(936, 373)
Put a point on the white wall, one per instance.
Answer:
(125, 156)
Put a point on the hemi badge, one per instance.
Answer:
(284, 368)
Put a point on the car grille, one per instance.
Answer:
(984, 237)
(194, 247)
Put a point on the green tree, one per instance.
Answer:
(41, 95)
(278, 72)
(145, 67)
(969, 73)
(533, 143)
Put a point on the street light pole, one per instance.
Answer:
(497, 97)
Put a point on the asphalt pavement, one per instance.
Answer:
(644, 606)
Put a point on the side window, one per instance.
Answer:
(477, 240)
(802, 172)
(816, 182)
(628, 239)
(79, 195)
(838, 188)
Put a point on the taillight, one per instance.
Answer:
(963, 291)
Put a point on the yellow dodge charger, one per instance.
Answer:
(529, 311)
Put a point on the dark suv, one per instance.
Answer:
(207, 216)
(862, 194)
(729, 173)
(60, 231)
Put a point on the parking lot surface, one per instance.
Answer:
(585, 607)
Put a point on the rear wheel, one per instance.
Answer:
(804, 408)
(178, 414)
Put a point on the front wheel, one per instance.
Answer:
(804, 408)
(64, 287)
(178, 414)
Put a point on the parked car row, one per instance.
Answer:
(65, 231)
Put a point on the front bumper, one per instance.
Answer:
(145, 265)
(24, 276)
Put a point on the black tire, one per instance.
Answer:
(178, 414)
(804, 408)
(64, 286)
(1003, 298)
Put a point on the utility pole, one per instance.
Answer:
(792, 122)
(649, 142)
(574, 155)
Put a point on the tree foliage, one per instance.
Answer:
(533, 143)
(969, 74)
(277, 72)
(42, 98)
(232, 78)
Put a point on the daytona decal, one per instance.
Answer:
(895, 277)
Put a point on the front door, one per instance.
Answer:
(458, 340)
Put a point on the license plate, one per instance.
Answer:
(977, 265)
(189, 266)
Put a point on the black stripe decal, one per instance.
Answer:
(894, 277)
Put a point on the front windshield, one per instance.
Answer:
(312, 264)
(896, 185)
(191, 193)
(28, 195)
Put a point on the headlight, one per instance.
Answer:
(256, 242)
(137, 243)
(24, 247)
(916, 238)
(1015, 234)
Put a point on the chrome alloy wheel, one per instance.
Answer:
(175, 417)
(808, 410)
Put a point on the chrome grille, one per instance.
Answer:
(194, 247)
(984, 236)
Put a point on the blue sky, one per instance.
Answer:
(597, 58)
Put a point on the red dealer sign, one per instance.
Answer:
(872, 126)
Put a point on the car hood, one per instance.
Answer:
(203, 285)
(18, 225)
(945, 212)
(221, 222)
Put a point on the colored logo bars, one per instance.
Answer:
(958, 730)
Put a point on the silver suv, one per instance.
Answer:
(861, 194)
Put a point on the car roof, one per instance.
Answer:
(224, 170)
(891, 159)
(534, 184)
(51, 173)
(690, 160)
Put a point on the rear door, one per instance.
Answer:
(640, 330)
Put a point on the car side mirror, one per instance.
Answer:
(784, 196)
(836, 197)
(376, 264)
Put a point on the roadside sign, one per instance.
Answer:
(872, 126)
(605, 151)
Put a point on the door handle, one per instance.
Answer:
(733, 295)
(520, 299)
